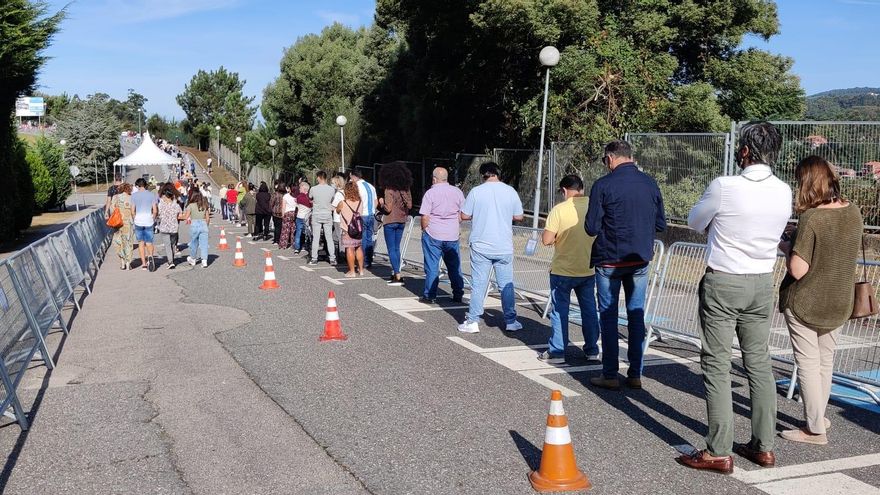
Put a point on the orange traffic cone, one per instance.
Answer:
(558, 471)
(239, 256)
(223, 246)
(332, 328)
(269, 277)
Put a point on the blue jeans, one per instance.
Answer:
(560, 298)
(481, 265)
(393, 235)
(635, 287)
(143, 234)
(433, 250)
(367, 239)
(297, 235)
(198, 239)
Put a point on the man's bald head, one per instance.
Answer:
(440, 174)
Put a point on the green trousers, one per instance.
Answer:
(740, 305)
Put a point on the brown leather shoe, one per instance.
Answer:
(697, 460)
(763, 459)
(606, 383)
(634, 383)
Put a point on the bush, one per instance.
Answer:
(40, 178)
(53, 159)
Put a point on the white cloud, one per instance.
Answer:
(133, 11)
(341, 17)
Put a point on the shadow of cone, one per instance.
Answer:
(239, 256)
(332, 328)
(558, 471)
(269, 281)
(223, 246)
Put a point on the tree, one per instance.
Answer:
(322, 76)
(52, 156)
(158, 127)
(27, 29)
(758, 85)
(40, 178)
(91, 132)
(217, 98)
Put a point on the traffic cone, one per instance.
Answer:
(223, 246)
(239, 256)
(269, 277)
(558, 471)
(332, 328)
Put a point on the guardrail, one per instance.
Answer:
(36, 285)
(856, 359)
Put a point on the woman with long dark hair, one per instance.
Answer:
(198, 215)
(288, 218)
(396, 180)
(277, 210)
(816, 295)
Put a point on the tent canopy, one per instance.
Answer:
(147, 154)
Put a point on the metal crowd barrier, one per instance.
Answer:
(36, 284)
(856, 360)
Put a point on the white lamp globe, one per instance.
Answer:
(549, 56)
(341, 120)
(272, 142)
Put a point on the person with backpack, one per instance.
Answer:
(369, 203)
(352, 224)
(277, 204)
(263, 211)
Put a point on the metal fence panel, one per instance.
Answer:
(519, 169)
(683, 164)
(852, 147)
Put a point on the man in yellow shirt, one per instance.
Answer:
(570, 270)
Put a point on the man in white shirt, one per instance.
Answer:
(745, 216)
(369, 202)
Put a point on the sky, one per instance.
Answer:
(156, 46)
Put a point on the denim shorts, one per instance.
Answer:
(143, 234)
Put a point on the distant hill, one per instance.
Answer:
(844, 104)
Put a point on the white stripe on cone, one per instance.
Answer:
(557, 435)
(332, 316)
(331, 303)
(556, 408)
(269, 262)
(270, 276)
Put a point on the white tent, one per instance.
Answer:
(147, 154)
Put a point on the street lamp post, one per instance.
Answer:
(219, 161)
(140, 113)
(238, 154)
(549, 57)
(272, 144)
(341, 121)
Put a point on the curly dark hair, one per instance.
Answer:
(395, 176)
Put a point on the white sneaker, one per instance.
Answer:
(512, 327)
(472, 327)
(204, 263)
(191, 260)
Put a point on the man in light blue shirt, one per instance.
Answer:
(492, 208)
(370, 201)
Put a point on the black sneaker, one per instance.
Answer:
(313, 262)
(551, 358)
(458, 299)
(427, 300)
(395, 281)
(151, 263)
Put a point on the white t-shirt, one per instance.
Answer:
(289, 203)
(337, 198)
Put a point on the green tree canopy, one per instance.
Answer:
(217, 98)
(91, 132)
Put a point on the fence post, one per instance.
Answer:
(731, 152)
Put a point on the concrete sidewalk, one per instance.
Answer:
(146, 400)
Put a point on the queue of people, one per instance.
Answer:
(603, 242)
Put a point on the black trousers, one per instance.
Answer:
(276, 221)
(262, 227)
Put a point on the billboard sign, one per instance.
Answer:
(30, 106)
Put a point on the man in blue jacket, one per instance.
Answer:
(626, 209)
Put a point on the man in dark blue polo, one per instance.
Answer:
(626, 209)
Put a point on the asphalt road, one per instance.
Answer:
(196, 381)
(408, 410)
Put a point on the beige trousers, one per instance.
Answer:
(814, 355)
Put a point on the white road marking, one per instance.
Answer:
(331, 280)
(523, 359)
(285, 258)
(772, 474)
(825, 484)
(266, 250)
(306, 268)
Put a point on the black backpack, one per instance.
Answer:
(356, 224)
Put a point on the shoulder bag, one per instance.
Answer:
(864, 300)
(115, 220)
